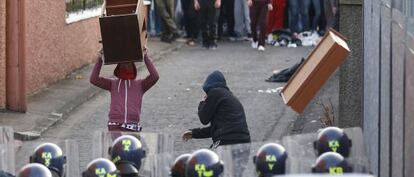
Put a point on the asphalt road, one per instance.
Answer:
(171, 106)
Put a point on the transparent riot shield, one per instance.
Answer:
(302, 155)
(7, 150)
(153, 144)
(322, 175)
(238, 159)
(70, 150)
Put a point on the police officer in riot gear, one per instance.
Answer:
(332, 163)
(178, 168)
(51, 156)
(101, 168)
(127, 152)
(333, 139)
(270, 160)
(204, 163)
(34, 170)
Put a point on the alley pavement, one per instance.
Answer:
(171, 105)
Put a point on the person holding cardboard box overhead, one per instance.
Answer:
(126, 92)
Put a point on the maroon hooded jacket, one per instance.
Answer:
(126, 95)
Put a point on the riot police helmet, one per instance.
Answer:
(178, 167)
(332, 163)
(204, 163)
(270, 160)
(34, 170)
(333, 139)
(51, 156)
(127, 151)
(100, 168)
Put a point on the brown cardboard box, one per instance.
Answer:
(123, 30)
(327, 56)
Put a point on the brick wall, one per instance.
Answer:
(55, 48)
(2, 53)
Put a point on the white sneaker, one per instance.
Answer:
(255, 44)
(270, 39)
(261, 48)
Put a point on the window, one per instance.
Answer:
(77, 10)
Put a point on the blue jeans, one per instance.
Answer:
(305, 14)
(294, 15)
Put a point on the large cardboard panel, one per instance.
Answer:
(315, 71)
(397, 93)
(409, 103)
(371, 83)
(385, 90)
(121, 39)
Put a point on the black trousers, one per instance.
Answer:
(190, 19)
(258, 15)
(207, 20)
(226, 15)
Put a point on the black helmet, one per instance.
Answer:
(178, 168)
(270, 160)
(34, 170)
(127, 152)
(332, 163)
(51, 156)
(100, 168)
(204, 163)
(333, 139)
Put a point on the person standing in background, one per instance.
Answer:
(258, 15)
(207, 16)
(317, 13)
(331, 14)
(276, 17)
(165, 9)
(226, 16)
(241, 19)
(294, 16)
(191, 23)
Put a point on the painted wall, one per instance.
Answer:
(55, 48)
(2, 53)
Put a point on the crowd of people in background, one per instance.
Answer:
(288, 23)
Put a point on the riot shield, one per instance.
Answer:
(302, 155)
(7, 150)
(70, 150)
(153, 144)
(322, 175)
(238, 159)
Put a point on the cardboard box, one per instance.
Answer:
(123, 30)
(327, 56)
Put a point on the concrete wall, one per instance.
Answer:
(55, 48)
(2, 53)
(388, 120)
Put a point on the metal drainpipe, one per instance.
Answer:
(16, 55)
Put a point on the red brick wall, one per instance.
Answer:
(55, 48)
(2, 53)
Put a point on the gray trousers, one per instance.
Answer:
(165, 9)
(241, 17)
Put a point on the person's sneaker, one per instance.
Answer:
(213, 46)
(261, 48)
(270, 39)
(190, 42)
(255, 44)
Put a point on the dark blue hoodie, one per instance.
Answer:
(214, 80)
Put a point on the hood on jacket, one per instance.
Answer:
(214, 80)
(126, 71)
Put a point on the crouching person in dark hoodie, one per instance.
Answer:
(223, 111)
